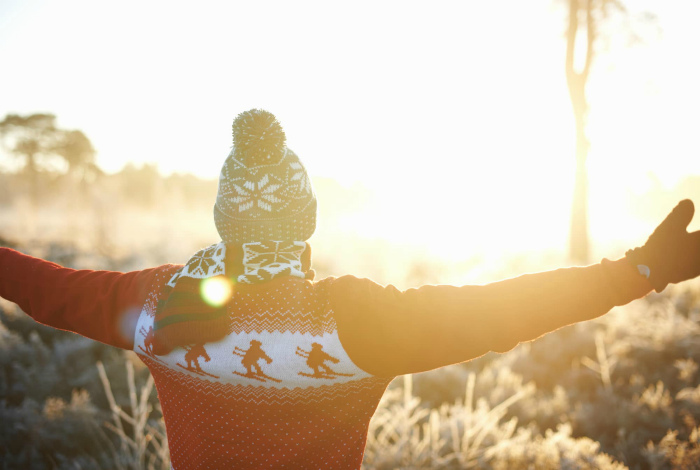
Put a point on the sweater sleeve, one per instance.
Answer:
(387, 332)
(101, 305)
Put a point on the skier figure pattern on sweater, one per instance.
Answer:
(291, 352)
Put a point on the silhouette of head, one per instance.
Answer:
(264, 190)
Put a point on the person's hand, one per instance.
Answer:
(671, 254)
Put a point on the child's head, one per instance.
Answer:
(264, 190)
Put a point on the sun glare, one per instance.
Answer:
(216, 291)
(449, 143)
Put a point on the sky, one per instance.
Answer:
(453, 115)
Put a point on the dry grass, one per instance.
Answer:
(403, 433)
(141, 445)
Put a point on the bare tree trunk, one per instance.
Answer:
(576, 81)
(578, 235)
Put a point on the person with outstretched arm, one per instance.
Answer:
(259, 366)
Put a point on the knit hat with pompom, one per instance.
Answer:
(264, 190)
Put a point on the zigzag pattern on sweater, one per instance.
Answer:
(283, 323)
(262, 312)
(256, 395)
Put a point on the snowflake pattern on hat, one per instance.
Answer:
(258, 195)
(300, 176)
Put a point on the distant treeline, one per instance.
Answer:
(143, 186)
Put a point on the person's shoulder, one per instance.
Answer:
(156, 271)
(350, 288)
(348, 279)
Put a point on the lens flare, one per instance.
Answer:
(216, 291)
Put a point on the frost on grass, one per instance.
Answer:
(471, 434)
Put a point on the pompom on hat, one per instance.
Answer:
(264, 190)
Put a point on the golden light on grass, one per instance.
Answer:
(216, 291)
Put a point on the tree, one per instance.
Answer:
(37, 140)
(76, 149)
(576, 82)
(29, 137)
(584, 17)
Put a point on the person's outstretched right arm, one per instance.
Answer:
(101, 305)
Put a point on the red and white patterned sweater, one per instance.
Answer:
(297, 379)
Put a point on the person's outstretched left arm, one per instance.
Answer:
(101, 305)
(388, 332)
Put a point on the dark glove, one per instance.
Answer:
(671, 254)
